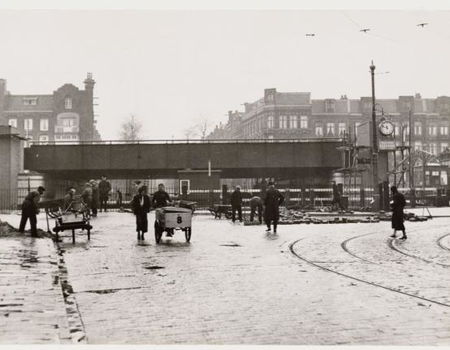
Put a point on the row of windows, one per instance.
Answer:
(46, 138)
(43, 123)
(293, 122)
(33, 101)
(432, 147)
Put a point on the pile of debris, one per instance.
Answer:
(6, 230)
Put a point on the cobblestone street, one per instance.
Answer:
(329, 284)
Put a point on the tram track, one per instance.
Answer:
(440, 244)
(344, 246)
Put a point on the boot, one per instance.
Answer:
(138, 236)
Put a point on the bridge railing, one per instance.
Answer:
(184, 141)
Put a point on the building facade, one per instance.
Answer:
(281, 115)
(67, 115)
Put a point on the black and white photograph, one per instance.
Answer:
(196, 173)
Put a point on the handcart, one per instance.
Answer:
(75, 216)
(218, 209)
(173, 218)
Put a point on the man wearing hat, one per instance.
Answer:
(272, 203)
(236, 203)
(30, 210)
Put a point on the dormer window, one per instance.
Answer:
(30, 101)
(68, 103)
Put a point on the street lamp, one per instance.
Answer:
(376, 195)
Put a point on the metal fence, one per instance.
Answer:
(355, 198)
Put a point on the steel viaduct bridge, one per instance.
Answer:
(164, 159)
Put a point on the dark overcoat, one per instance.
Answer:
(141, 212)
(397, 211)
(272, 202)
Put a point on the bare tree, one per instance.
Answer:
(203, 126)
(130, 129)
(200, 128)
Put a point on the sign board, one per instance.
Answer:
(386, 144)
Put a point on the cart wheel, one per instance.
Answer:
(229, 214)
(187, 233)
(158, 232)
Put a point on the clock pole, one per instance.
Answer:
(376, 194)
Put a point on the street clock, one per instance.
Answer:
(386, 128)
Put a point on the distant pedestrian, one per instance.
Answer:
(95, 197)
(86, 196)
(119, 199)
(256, 204)
(30, 210)
(141, 206)
(272, 203)
(337, 199)
(397, 212)
(104, 187)
(236, 203)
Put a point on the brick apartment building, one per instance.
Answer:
(67, 115)
(294, 115)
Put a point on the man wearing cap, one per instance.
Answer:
(30, 210)
(236, 203)
(272, 203)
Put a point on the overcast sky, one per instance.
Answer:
(173, 67)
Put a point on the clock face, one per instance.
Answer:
(386, 127)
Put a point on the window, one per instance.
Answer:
(397, 129)
(293, 122)
(270, 122)
(68, 121)
(417, 128)
(43, 138)
(418, 145)
(357, 124)
(444, 146)
(433, 148)
(283, 122)
(13, 122)
(68, 103)
(342, 128)
(319, 129)
(30, 101)
(432, 130)
(330, 129)
(28, 124)
(304, 122)
(44, 124)
(444, 130)
(406, 128)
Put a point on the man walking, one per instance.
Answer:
(337, 199)
(30, 210)
(397, 212)
(236, 203)
(104, 188)
(272, 203)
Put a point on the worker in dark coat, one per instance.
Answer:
(30, 210)
(141, 206)
(236, 203)
(272, 203)
(161, 198)
(256, 204)
(337, 199)
(397, 212)
(104, 188)
(68, 199)
(95, 197)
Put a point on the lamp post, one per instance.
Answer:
(376, 195)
